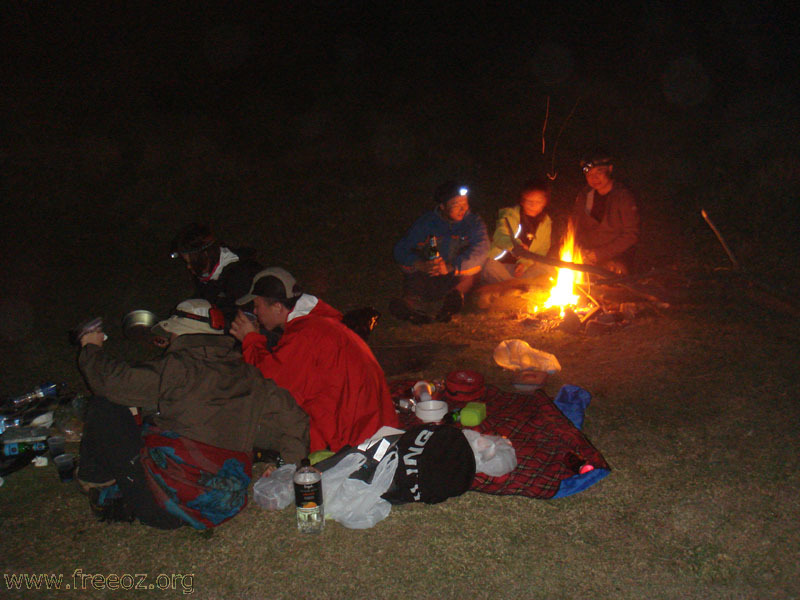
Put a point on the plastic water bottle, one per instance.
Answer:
(46, 390)
(432, 251)
(308, 499)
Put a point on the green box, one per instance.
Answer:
(473, 414)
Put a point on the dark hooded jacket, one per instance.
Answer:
(202, 389)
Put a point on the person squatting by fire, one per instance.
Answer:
(526, 224)
(605, 216)
(441, 257)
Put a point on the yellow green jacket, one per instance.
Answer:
(502, 239)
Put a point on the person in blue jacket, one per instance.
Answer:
(441, 256)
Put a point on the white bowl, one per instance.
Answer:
(430, 411)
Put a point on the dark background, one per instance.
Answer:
(317, 131)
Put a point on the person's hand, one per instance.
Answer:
(271, 468)
(422, 266)
(96, 337)
(438, 266)
(242, 325)
(432, 268)
(519, 269)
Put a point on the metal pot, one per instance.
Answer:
(137, 324)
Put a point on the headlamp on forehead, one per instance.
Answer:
(192, 248)
(587, 166)
(463, 191)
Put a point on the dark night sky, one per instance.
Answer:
(720, 78)
(197, 55)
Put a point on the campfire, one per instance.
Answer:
(563, 294)
(569, 304)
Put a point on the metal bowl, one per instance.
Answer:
(137, 324)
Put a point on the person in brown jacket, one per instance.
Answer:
(191, 460)
(605, 217)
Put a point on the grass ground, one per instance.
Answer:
(696, 409)
(696, 412)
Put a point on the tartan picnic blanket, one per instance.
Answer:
(545, 441)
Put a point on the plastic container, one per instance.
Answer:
(276, 491)
(430, 411)
(473, 414)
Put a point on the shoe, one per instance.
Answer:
(108, 505)
(453, 303)
(401, 310)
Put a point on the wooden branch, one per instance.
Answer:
(608, 277)
(521, 252)
(721, 239)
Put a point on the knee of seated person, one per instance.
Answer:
(99, 406)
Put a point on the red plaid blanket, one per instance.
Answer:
(543, 438)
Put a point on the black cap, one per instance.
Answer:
(274, 283)
(449, 189)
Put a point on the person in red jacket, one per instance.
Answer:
(328, 368)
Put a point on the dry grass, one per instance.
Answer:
(696, 410)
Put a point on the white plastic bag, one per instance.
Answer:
(275, 492)
(517, 355)
(494, 455)
(354, 503)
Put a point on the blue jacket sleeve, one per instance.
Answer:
(406, 251)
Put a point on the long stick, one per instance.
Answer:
(721, 239)
(520, 252)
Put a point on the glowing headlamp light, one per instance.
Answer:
(463, 191)
(177, 253)
(588, 166)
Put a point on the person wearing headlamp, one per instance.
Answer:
(605, 216)
(220, 274)
(441, 257)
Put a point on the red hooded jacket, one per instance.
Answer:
(330, 371)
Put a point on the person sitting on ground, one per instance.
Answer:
(605, 217)
(441, 256)
(191, 461)
(530, 226)
(328, 368)
(220, 274)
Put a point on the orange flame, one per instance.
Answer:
(563, 292)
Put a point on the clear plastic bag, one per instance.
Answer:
(354, 503)
(518, 355)
(275, 492)
(494, 455)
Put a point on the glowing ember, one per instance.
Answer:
(563, 292)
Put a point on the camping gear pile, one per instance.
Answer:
(492, 441)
